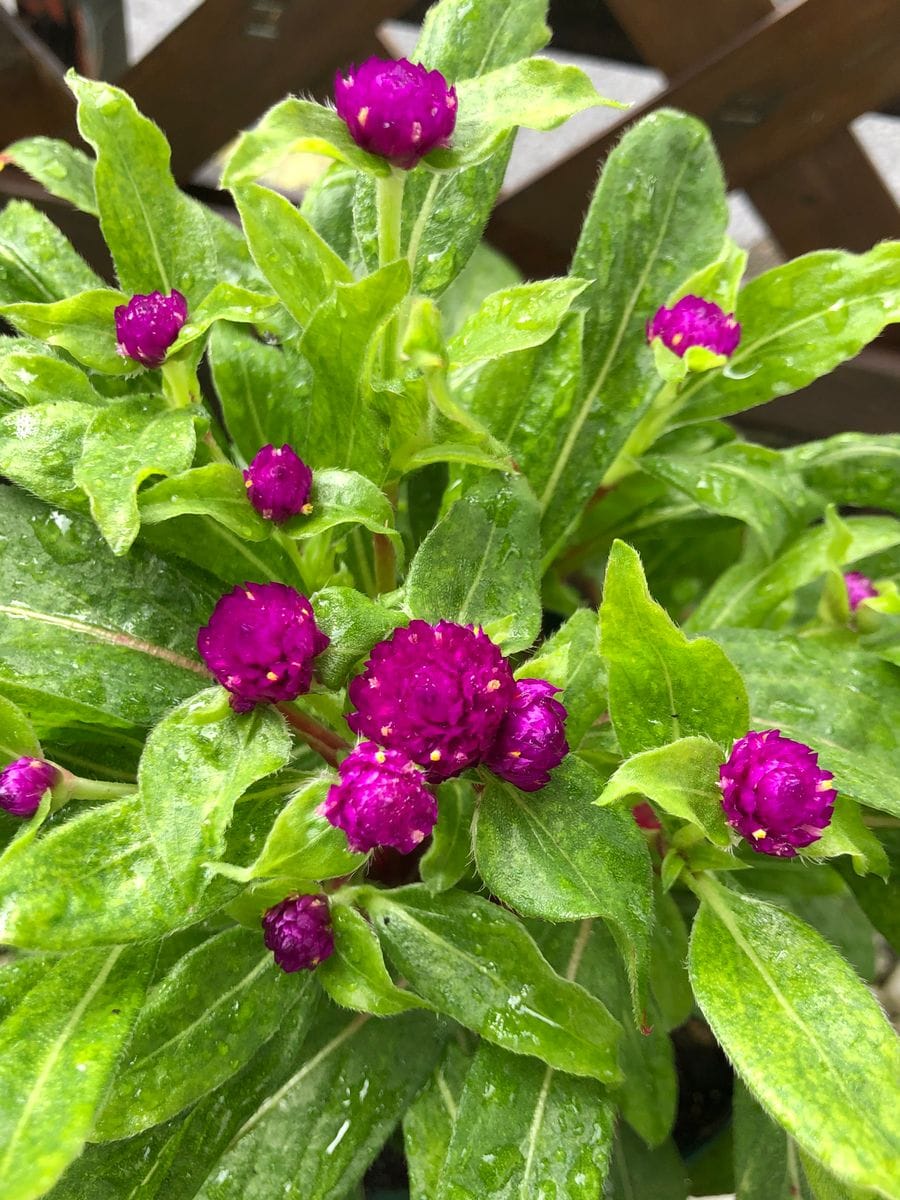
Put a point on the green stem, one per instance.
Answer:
(384, 553)
(390, 217)
(97, 789)
(292, 550)
(644, 434)
(180, 385)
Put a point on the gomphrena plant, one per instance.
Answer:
(359, 778)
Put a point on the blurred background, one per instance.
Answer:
(803, 99)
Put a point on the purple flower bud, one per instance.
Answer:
(775, 794)
(260, 644)
(398, 110)
(859, 588)
(298, 932)
(278, 483)
(532, 738)
(436, 692)
(693, 321)
(381, 800)
(148, 325)
(23, 783)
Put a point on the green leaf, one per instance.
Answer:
(302, 844)
(858, 469)
(718, 281)
(588, 955)
(486, 272)
(657, 215)
(805, 1034)
(799, 321)
(216, 491)
(479, 564)
(682, 778)
(86, 636)
(825, 1186)
(354, 623)
(124, 445)
(542, 1133)
(37, 264)
(346, 421)
(668, 970)
(841, 701)
(475, 962)
(513, 320)
(464, 42)
(355, 976)
(184, 1150)
(84, 325)
(296, 127)
(750, 590)
(210, 754)
(40, 447)
(262, 389)
(203, 1021)
(571, 660)
(848, 834)
(52, 1084)
(553, 854)
(449, 853)
(880, 901)
(428, 1122)
(59, 167)
(301, 267)
(229, 302)
(747, 482)
(345, 498)
(17, 738)
(766, 1162)
(37, 377)
(537, 93)
(636, 1172)
(158, 238)
(662, 687)
(357, 1078)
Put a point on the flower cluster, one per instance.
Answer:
(298, 932)
(859, 588)
(775, 794)
(693, 323)
(278, 483)
(148, 325)
(23, 783)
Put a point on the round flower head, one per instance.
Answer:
(436, 692)
(23, 783)
(859, 588)
(775, 794)
(260, 644)
(148, 325)
(381, 800)
(398, 110)
(298, 932)
(278, 483)
(532, 738)
(694, 322)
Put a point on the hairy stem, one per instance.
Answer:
(390, 216)
(325, 743)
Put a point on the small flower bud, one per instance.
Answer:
(775, 794)
(437, 693)
(23, 783)
(532, 738)
(260, 644)
(298, 932)
(397, 110)
(148, 325)
(381, 800)
(278, 483)
(694, 322)
(859, 588)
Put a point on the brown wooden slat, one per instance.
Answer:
(32, 91)
(231, 59)
(792, 80)
(831, 195)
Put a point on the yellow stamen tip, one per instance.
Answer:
(272, 676)
(435, 756)
(758, 833)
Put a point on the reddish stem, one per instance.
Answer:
(317, 737)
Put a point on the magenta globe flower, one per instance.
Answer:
(260, 644)
(693, 321)
(23, 783)
(775, 794)
(148, 325)
(298, 932)
(437, 692)
(532, 738)
(397, 110)
(381, 800)
(278, 483)
(859, 588)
